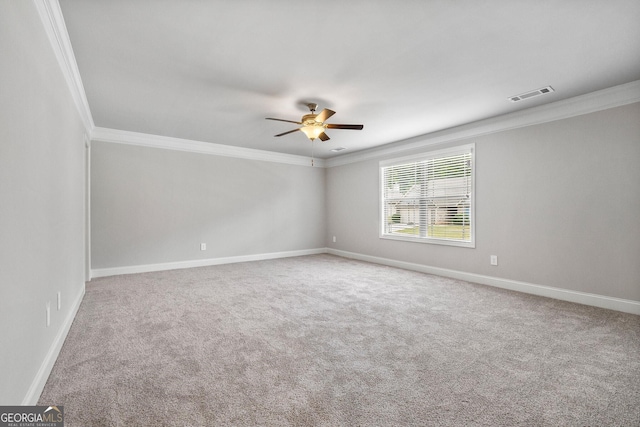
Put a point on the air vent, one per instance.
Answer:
(531, 94)
(335, 150)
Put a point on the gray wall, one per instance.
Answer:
(559, 203)
(154, 206)
(41, 199)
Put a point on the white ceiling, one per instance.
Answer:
(213, 70)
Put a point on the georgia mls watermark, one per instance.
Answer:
(31, 416)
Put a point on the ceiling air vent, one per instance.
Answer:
(335, 150)
(531, 94)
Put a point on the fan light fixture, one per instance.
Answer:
(313, 125)
(312, 131)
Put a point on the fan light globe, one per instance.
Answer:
(312, 132)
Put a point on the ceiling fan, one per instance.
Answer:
(313, 125)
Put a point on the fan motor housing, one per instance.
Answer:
(309, 119)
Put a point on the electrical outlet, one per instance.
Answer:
(48, 314)
(203, 246)
(59, 300)
(334, 239)
(494, 259)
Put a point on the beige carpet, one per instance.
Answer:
(326, 341)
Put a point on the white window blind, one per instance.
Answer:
(429, 198)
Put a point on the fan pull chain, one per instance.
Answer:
(312, 153)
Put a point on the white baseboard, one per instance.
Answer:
(602, 301)
(618, 304)
(38, 383)
(114, 271)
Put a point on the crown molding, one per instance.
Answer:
(56, 30)
(53, 23)
(604, 99)
(592, 102)
(178, 144)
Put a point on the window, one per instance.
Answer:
(429, 198)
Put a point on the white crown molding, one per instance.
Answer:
(602, 301)
(188, 145)
(56, 30)
(53, 23)
(596, 101)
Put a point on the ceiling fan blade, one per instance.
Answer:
(352, 127)
(324, 115)
(323, 136)
(285, 133)
(283, 120)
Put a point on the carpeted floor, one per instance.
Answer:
(327, 341)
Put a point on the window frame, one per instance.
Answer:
(428, 155)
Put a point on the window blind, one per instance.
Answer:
(430, 197)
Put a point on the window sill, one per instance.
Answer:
(431, 241)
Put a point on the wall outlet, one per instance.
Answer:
(334, 239)
(494, 259)
(48, 314)
(203, 246)
(59, 300)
